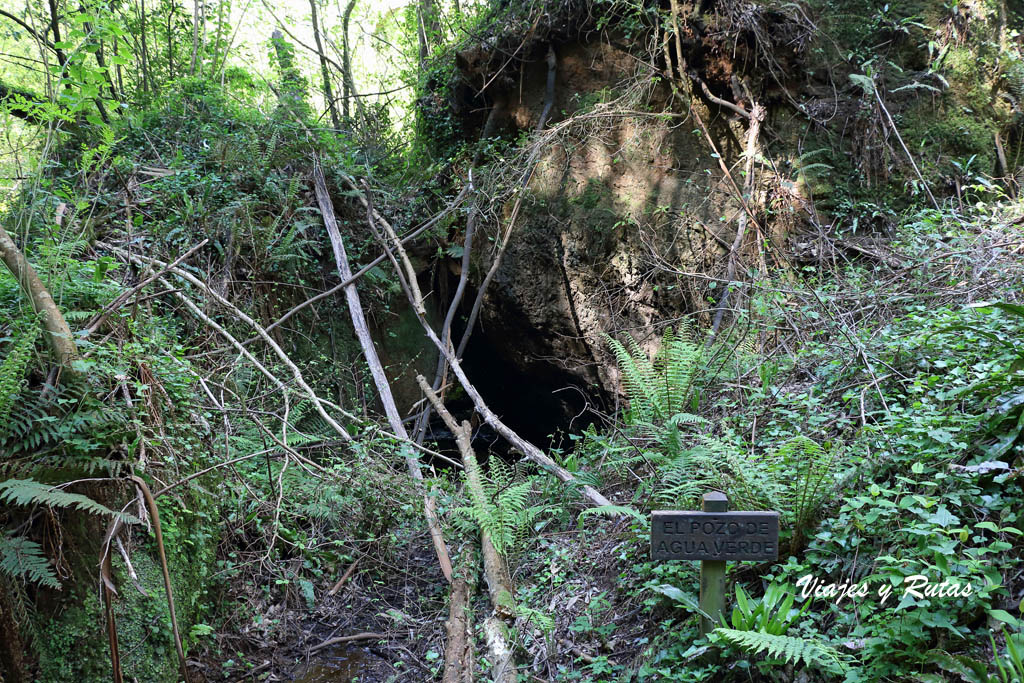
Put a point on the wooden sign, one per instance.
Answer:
(714, 536)
(724, 536)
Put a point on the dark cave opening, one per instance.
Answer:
(540, 400)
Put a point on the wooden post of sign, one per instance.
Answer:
(714, 536)
(712, 572)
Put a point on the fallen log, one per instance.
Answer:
(380, 379)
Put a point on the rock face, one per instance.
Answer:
(632, 209)
(623, 206)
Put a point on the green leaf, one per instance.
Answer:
(1005, 617)
(865, 82)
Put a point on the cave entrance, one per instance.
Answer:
(540, 401)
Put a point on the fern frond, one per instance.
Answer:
(20, 557)
(813, 467)
(664, 385)
(502, 509)
(611, 511)
(31, 492)
(790, 649)
(12, 374)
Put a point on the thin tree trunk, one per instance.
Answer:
(62, 58)
(549, 101)
(757, 114)
(421, 32)
(170, 42)
(195, 37)
(220, 31)
(490, 125)
(120, 79)
(60, 338)
(324, 73)
(376, 369)
(145, 52)
(347, 85)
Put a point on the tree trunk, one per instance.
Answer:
(195, 37)
(499, 583)
(293, 95)
(145, 52)
(347, 85)
(324, 73)
(455, 650)
(59, 334)
(170, 42)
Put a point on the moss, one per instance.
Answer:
(956, 133)
(143, 620)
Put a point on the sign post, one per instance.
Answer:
(714, 536)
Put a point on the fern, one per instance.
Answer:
(790, 649)
(501, 509)
(611, 511)
(535, 618)
(719, 463)
(30, 492)
(12, 373)
(810, 469)
(664, 385)
(20, 557)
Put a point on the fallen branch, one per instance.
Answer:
(757, 116)
(344, 577)
(455, 203)
(499, 583)
(530, 451)
(369, 635)
(456, 628)
(373, 361)
(59, 334)
(98, 319)
(497, 110)
(910, 157)
(241, 315)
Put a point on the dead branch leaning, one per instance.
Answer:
(238, 313)
(373, 361)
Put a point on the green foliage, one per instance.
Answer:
(808, 469)
(786, 649)
(773, 613)
(29, 492)
(1003, 390)
(664, 385)
(719, 463)
(503, 511)
(12, 373)
(22, 558)
(1009, 667)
